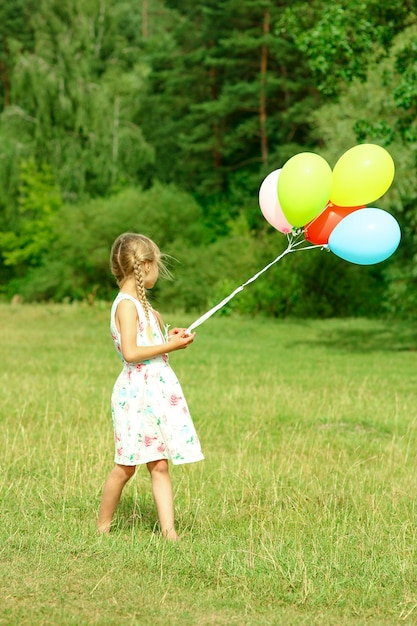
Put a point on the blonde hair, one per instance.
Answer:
(128, 253)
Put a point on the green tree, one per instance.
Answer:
(208, 97)
(380, 109)
(15, 33)
(74, 99)
(38, 202)
(16, 36)
(340, 39)
(233, 85)
(226, 89)
(76, 264)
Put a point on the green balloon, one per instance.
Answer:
(304, 187)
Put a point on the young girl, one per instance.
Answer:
(150, 415)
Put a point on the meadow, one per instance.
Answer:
(303, 512)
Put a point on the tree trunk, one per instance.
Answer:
(145, 31)
(115, 150)
(6, 84)
(216, 131)
(262, 101)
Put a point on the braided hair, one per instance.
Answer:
(128, 253)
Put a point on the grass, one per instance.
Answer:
(302, 513)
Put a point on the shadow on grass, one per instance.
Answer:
(351, 336)
(363, 336)
(134, 512)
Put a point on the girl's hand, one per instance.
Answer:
(179, 339)
(174, 331)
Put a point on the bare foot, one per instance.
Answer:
(170, 535)
(103, 528)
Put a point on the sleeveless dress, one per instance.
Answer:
(150, 415)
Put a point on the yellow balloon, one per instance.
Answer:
(361, 175)
(304, 187)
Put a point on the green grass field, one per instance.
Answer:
(304, 511)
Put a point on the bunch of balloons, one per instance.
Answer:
(330, 206)
(306, 201)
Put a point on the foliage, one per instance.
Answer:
(235, 89)
(307, 284)
(373, 111)
(304, 284)
(77, 263)
(38, 202)
(15, 32)
(205, 98)
(341, 41)
(73, 100)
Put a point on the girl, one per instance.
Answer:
(150, 415)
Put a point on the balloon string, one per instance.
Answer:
(293, 246)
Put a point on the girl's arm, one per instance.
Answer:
(127, 322)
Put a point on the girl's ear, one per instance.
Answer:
(146, 266)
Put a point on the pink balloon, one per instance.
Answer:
(269, 203)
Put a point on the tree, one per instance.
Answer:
(211, 96)
(225, 88)
(382, 109)
(32, 236)
(74, 96)
(340, 39)
(15, 33)
(233, 85)
(76, 263)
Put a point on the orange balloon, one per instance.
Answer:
(318, 230)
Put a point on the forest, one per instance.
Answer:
(165, 116)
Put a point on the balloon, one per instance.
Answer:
(366, 236)
(318, 230)
(361, 175)
(269, 203)
(304, 187)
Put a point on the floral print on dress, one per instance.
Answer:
(151, 419)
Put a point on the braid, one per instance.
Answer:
(140, 287)
(128, 253)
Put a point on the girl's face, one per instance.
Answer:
(150, 272)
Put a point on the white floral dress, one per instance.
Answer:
(150, 415)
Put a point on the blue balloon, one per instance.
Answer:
(365, 236)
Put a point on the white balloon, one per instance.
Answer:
(269, 203)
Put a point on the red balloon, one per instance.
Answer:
(318, 230)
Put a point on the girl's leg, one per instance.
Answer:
(163, 496)
(112, 491)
